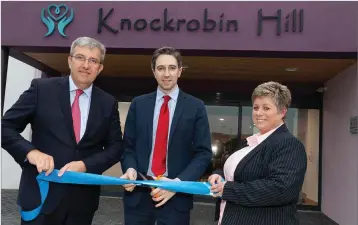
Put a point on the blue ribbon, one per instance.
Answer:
(70, 177)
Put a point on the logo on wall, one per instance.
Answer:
(56, 14)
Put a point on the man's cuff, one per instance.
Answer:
(89, 168)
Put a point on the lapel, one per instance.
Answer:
(94, 116)
(259, 148)
(150, 106)
(65, 102)
(177, 113)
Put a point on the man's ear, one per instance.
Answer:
(100, 69)
(180, 71)
(69, 60)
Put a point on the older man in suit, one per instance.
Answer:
(166, 135)
(75, 127)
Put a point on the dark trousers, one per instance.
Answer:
(62, 216)
(145, 213)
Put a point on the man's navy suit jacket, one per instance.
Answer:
(46, 106)
(189, 148)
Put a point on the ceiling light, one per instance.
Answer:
(293, 69)
(221, 119)
(214, 149)
(322, 89)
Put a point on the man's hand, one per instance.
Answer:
(42, 161)
(162, 196)
(77, 166)
(217, 185)
(131, 174)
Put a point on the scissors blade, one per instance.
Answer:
(142, 176)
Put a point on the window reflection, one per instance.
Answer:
(224, 126)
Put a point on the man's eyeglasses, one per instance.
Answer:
(82, 59)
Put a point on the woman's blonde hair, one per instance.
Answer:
(279, 93)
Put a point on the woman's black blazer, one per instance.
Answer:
(267, 183)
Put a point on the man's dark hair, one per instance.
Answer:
(166, 51)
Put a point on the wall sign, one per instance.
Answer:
(168, 23)
(56, 14)
(353, 125)
(61, 15)
(292, 22)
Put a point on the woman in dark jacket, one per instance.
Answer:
(261, 182)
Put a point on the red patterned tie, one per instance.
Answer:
(161, 140)
(76, 115)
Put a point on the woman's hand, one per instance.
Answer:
(217, 185)
(214, 179)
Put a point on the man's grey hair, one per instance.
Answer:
(88, 42)
(279, 93)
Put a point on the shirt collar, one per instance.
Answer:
(173, 94)
(262, 137)
(73, 87)
(256, 139)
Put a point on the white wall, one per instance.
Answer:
(19, 77)
(308, 134)
(340, 149)
(312, 149)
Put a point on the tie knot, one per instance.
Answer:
(79, 92)
(166, 98)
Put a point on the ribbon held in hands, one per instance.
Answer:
(70, 177)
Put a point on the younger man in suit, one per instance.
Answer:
(75, 127)
(166, 135)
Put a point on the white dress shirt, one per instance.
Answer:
(84, 102)
(158, 104)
